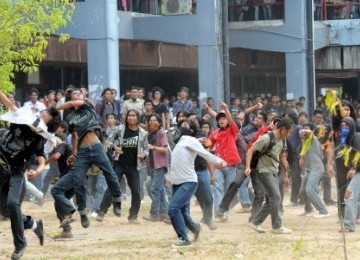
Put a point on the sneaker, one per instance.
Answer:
(100, 216)
(211, 225)
(18, 253)
(282, 230)
(152, 218)
(66, 221)
(181, 243)
(319, 216)
(85, 222)
(197, 233)
(257, 228)
(306, 213)
(64, 234)
(94, 214)
(39, 231)
(292, 204)
(117, 208)
(330, 202)
(134, 221)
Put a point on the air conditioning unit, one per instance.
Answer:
(176, 7)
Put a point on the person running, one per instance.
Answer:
(87, 150)
(25, 137)
(184, 180)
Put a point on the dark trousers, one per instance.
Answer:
(341, 185)
(12, 191)
(295, 175)
(133, 179)
(231, 192)
(60, 191)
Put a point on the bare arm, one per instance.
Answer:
(4, 99)
(41, 166)
(249, 155)
(228, 115)
(253, 108)
(209, 110)
(70, 104)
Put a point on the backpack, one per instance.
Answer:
(257, 154)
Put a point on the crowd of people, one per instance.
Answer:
(91, 151)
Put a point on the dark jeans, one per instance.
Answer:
(326, 186)
(12, 191)
(60, 191)
(341, 185)
(95, 155)
(204, 195)
(179, 209)
(270, 184)
(295, 175)
(259, 194)
(231, 192)
(132, 176)
(59, 212)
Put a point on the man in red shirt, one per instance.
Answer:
(223, 139)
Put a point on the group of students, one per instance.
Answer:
(128, 146)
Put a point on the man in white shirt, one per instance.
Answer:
(35, 105)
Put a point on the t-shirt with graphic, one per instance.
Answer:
(129, 148)
(19, 143)
(84, 120)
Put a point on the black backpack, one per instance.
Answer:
(257, 154)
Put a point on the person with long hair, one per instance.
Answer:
(158, 166)
(129, 142)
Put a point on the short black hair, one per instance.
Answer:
(106, 90)
(286, 123)
(110, 114)
(33, 90)
(56, 119)
(318, 111)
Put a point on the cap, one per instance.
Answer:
(219, 115)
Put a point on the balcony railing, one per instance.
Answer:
(254, 10)
(337, 9)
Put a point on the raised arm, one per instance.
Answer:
(70, 104)
(7, 102)
(228, 115)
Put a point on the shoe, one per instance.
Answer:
(197, 233)
(292, 204)
(18, 253)
(100, 216)
(85, 222)
(134, 221)
(64, 234)
(117, 208)
(244, 210)
(282, 230)
(152, 218)
(257, 228)
(306, 213)
(211, 225)
(330, 202)
(94, 214)
(39, 231)
(66, 221)
(166, 220)
(181, 243)
(319, 216)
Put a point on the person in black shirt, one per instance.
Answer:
(16, 147)
(129, 141)
(87, 150)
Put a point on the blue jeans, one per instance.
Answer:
(309, 191)
(51, 174)
(60, 191)
(179, 209)
(272, 202)
(96, 187)
(159, 205)
(352, 201)
(223, 178)
(204, 195)
(95, 154)
(143, 176)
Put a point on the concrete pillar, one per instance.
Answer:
(211, 77)
(103, 53)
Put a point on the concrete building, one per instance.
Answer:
(111, 48)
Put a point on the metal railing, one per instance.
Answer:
(337, 9)
(248, 10)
